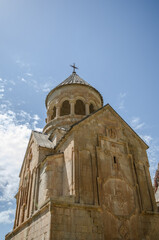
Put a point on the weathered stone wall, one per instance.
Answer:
(68, 167)
(76, 222)
(123, 185)
(36, 228)
(97, 183)
(149, 226)
(51, 178)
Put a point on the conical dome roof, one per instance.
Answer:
(73, 79)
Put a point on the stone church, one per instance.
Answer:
(86, 176)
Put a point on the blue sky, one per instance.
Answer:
(115, 44)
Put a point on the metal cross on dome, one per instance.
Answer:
(74, 67)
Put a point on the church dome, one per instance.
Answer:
(70, 101)
(73, 79)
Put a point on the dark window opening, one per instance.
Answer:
(80, 108)
(91, 108)
(115, 161)
(65, 108)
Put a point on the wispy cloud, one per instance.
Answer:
(27, 77)
(2, 87)
(38, 86)
(146, 138)
(46, 87)
(12, 82)
(22, 64)
(136, 123)
(152, 152)
(1, 95)
(15, 129)
(121, 104)
(29, 74)
(12, 136)
(7, 216)
(23, 80)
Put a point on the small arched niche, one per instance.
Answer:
(80, 108)
(54, 113)
(91, 108)
(65, 108)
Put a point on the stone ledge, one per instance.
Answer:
(57, 203)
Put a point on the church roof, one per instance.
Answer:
(97, 111)
(74, 78)
(43, 139)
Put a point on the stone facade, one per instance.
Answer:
(86, 176)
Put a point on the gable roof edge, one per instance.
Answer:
(26, 152)
(96, 112)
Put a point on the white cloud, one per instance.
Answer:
(12, 82)
(136, 123)
(5, 105)
(121, 104)
(1, 96)
(122, 95)
(146, 138)
(153, 153)
(22, 64)
(24, 116)
(35, 122)
(23, 80)
(2, 88)
(7, 216)
(45, 87)
(15, 130)
(13, 138)
(29, 74)
(36, 117)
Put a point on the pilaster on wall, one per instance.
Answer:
(87, 109)
(32, 204)
(85, 178)
(72, 103)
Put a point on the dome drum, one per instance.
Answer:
(69, 103)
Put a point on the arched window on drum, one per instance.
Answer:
(65, 108)
(80, 108)
(91, 108)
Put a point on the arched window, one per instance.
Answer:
(91, 108)
(54, 113)
(80, 108)
(65, 108)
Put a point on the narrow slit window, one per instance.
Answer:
(115, 161)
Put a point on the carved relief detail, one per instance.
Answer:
(107, 152)
(124, 231)
(112, 133)
(118, 197)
